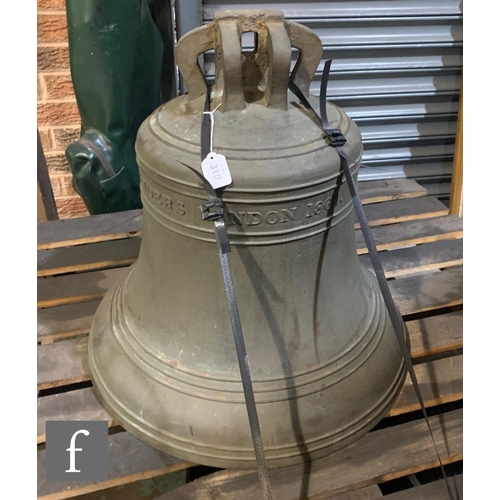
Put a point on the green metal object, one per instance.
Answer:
(324, 358)
(116, 54)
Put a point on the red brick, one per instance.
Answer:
(58, 113)
(69, 207)
(59, 86)
(52, 58)
(57, 163)
(51, 4)
(52, 28)
(56, 188)
(45, 139)
(66, 182)
(62, 185)
(65, 136)
(40, 87)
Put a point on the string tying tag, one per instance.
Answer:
(212, 119)
(214, 166)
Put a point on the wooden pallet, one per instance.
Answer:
(79, 259)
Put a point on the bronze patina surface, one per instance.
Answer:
(323, 355)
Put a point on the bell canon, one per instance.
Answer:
(324, 359)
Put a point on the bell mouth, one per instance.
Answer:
(244, 458)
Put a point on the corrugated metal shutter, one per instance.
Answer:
(396, 70)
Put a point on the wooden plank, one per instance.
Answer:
(72, 405)
(428, 292)
(370, 493)
(53, 291)
(390, 189)
(440, 381)
(379, 456)
(52, 262)
(456, 195)
(55, 323)
(392, 212)
(431, 491)
(419, 258)
(129, 460)
(118, 225)
(436, 334)
(62, 363)
(77, 287)
(88, 257)
(412, 233)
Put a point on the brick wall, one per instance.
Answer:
(58, 118)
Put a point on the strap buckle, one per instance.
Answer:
(335, 136)
(212, 209)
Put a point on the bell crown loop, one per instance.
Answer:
(260, 76)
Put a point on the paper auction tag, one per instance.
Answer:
(216, 170)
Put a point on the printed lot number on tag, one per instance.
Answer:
(216, 170)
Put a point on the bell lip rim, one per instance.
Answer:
(249, 463)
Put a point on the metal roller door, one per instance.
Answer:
(397, 69)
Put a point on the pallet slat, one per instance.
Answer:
(80, 404)
(392, 212)
(62, 363)
(390, 189)
(370, 493)
(431, 491)
(67, 232)
(64, 321)
(420, 258)
(428, 292)
(436, 334)
(379, 456)
(145, 462)
(439, 380)
(74, 288)
(412, 233)
(88, 257)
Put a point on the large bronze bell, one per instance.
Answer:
(324, 358)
